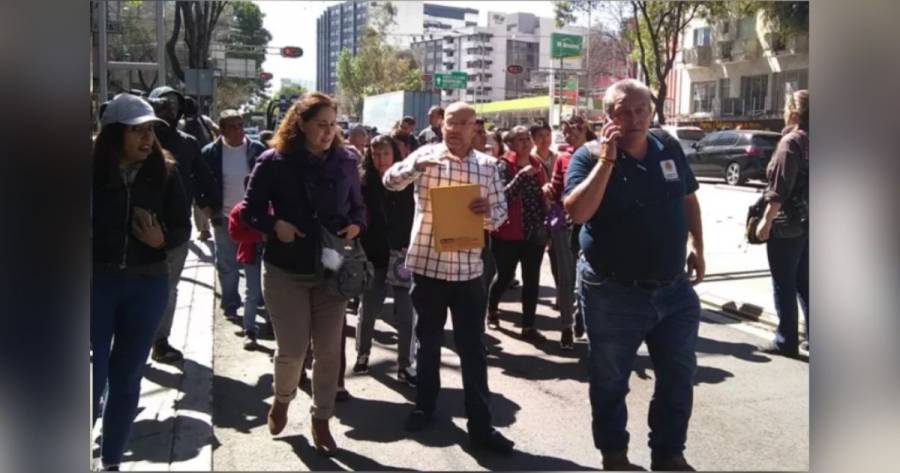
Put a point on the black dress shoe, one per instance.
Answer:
(772, 349)
(494, 442)
(670, 463)
(618, 461)
(417, 420)
(342, 395)
(164, 353)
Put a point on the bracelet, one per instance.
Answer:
(607, 160)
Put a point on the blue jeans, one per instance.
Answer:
(125, 313)
(465, 299)
(618, 318)
(789, 263)
(371, 308)
(253, 272)
(227, 268)
(175, 259)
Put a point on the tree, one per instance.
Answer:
(377, 66)
(199, 20)
(655, 29)
(248, 41)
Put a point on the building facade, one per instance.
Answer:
(342, 27)
(736, 71)
(484, 52)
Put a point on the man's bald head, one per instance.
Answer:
(459, 127)
(459, 109)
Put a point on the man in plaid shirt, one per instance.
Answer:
(451, 279)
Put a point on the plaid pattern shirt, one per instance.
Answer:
(476, 168)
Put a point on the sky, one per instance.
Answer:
(293, 23)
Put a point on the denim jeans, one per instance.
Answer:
(789, 263)
(227, 268)
(125, 313)
(371, 308)
(253, 272)
(465, 299)
(508, 254)
(618, 318)
(175, 259)
(565, 276)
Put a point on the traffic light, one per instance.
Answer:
(291, 51)
(264, 76)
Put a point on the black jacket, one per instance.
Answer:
(196, 176)
(390, 221)
(115, 247)
(212, 154)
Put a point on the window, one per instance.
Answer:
(702, 95)
(787, 83)
(724, 89)
(754, 90)
(702, 36)
(746, 27)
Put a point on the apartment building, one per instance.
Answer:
(342, 27)
(735, 70)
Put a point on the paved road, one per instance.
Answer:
(750, 409)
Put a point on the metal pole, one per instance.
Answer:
(551, 78)
(588, 66)
(102, 52)
(161, 43)
(562, 89)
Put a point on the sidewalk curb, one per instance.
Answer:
(745, 311)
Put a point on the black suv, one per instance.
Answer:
(735, 155)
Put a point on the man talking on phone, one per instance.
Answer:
(642, 250)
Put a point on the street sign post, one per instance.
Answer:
(450, 80)
(564, 45)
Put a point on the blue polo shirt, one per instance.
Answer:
(640, 229)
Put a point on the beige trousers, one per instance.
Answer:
(300, 313)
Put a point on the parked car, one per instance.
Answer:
(686, 135)
(735, 155)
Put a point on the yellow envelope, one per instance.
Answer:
(455, 227)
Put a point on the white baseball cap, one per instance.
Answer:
(130, 110)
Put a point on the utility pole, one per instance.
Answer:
(590, 99)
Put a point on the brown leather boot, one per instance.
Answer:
(277, 417)
(322, 438)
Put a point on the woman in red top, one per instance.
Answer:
(523, 237)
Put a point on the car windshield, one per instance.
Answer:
(694, 135)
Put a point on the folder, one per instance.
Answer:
(455, 227)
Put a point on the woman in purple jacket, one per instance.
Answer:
(311, 182)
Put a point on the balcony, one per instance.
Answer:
(722, 51)
(746, 50)
(781, 45)
(700, 56)
(478, 64)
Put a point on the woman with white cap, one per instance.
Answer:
(138, 212)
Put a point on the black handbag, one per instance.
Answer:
(355, 273)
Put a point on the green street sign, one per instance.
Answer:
(565, 45)
(570, 84)
(450, 80)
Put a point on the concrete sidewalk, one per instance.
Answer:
(173, 428)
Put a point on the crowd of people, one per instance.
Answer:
(615, 211)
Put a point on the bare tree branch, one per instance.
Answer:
(170, 46)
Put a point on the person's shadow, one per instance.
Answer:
(313, 461)
(238, 405)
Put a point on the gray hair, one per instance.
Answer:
(514, 132)
(625, 87)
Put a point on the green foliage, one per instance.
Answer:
(248, 41)
(377, 67)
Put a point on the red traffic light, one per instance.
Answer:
(264, 76)
(291, 51)
(514, 69)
